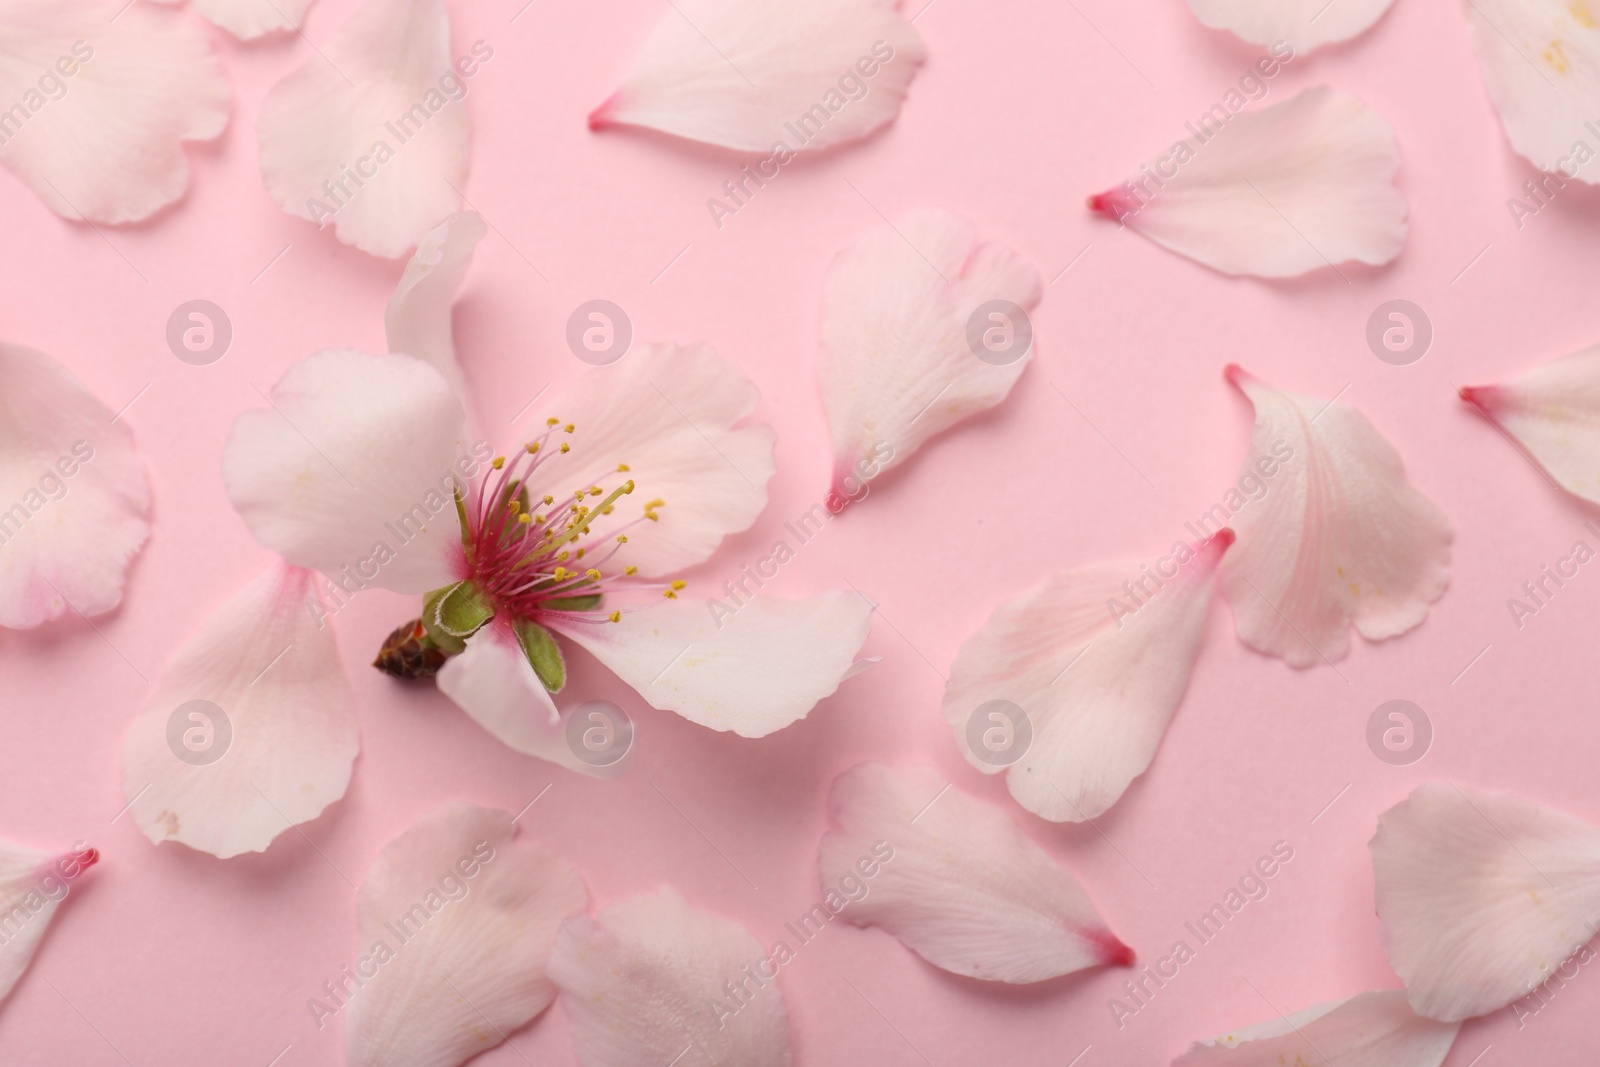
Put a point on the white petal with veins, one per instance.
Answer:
(1367, 1030)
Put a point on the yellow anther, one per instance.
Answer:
(578, 494)
(581, 551)
(670, 595)
(525, 518)
(630, 571)
(593, 574)
(657, 503)
(652, 516)
(627, 486)
(533, 448)
(551, 422)
(623, 468)
(565, 447)
(565, 555)
(499, 461)
(622, 539)
(514, 506)
(595, 490)
(680, 584)
(615, 616)
(561, 574)
(568, 428)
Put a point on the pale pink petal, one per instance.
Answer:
(32, 885)
(1097, 660)
(98, 98)
(250, 729)
(1554, 413)
(1541, 63)
(250, 19)
(648, 980)
(1275, 192)
(492, 682)
(1291, 26)
(1367, 1030)
(73, 494)
(1339, 538)
(418, 319)
(353, 469)
(457, 924)
(753, 75)
(368, 134)
(670, 414)
(752, 670)
(898, 363)
(1481, 895)
(955, 880)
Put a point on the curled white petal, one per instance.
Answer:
(73, 494)
(251, 728)
(32, 886)
(1291, 25)
(1553, 412)
(1276, 192)
(1339, 539)
(922, 328)
(955, 880)
(1376, 1029)
(1096, 661)
(418, 321)
(1482, 896)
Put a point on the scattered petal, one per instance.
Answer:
(1481, 896)
(353, 470)
(1340, 538)
(250, 19)
(752, 670)
(419, 316)
(898, 362)
(73, 494)
(1541, 63)
(458, 923)
(103, 94)
(1554, 414)
(647, 981)
(32, 885)
(1301, 25)
(1367, 1030)
(669, 414)
(250, 729)
(1276, 192)
(364, 134)
(959, 884)
(1097, 660)
(753, 74)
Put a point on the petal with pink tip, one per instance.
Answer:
(956, 880)
(920, 331)
(754, 75)
(670, 414)
(32, 885)
(1097, 661)
(645, 982)
(353, 470)
(1541, 64)
(373, 103)
(250, 729)
(457, 922)
(1481, 896)
(753, 670)
(101, 95)
(1376, 1029)
(1553, 412)
(418, 321)
(1276, 192)
(1290, 26)
(73, 494)
(1339, 538)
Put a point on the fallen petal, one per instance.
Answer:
(32, 885)
(1554, 414)
(418, 321)
(1367, 1030)
(1291, 26)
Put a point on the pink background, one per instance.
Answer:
(166, 956)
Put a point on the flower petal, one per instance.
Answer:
(32, 885)
(1097, 660)
(250, 729)
(643, 982)
(1280, 191)
(898, 364)
(1481, 895)
(667, 412)
(957, 882)
(250, 19)
(1554, 414)
(751, 74)
(458, 923)
(365, 135)
(352, 472)
(73, 494)
(1367, 1030)
(752, 670)
(1302, 25)
(419, 315)
(1541, 64)
(137, 82)
(1340, 539)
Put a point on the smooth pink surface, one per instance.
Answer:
(1121, 432)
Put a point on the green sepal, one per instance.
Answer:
(458, 610)
(544, 655)
(466, 528)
